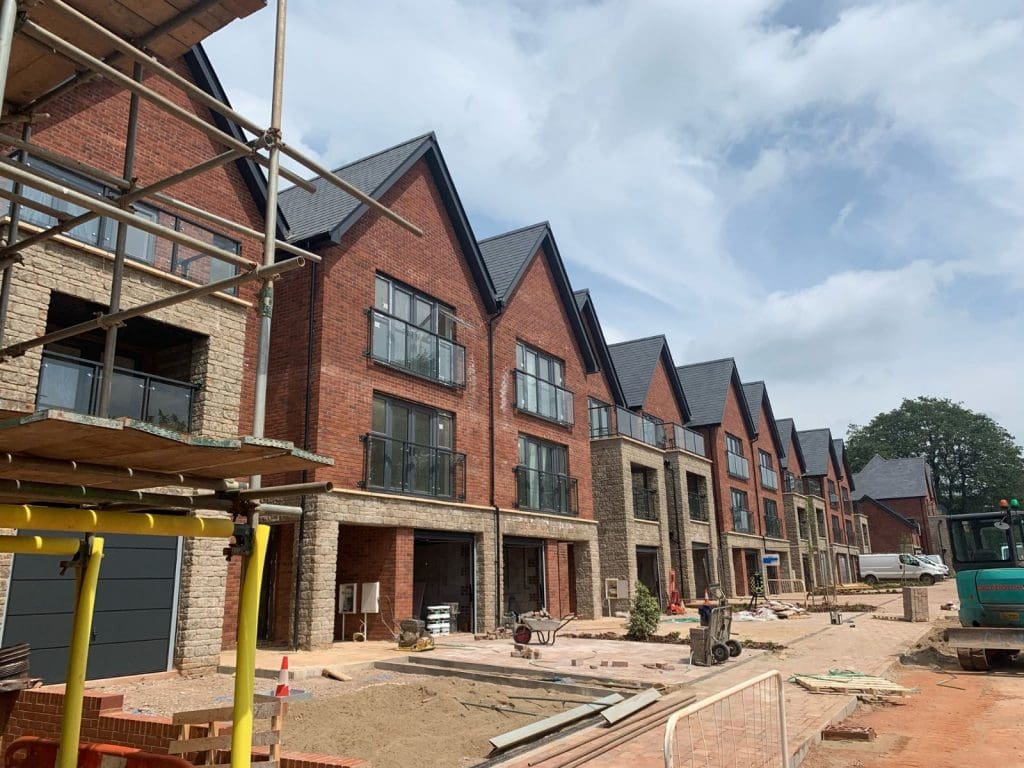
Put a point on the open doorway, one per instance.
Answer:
(524, 575)
(442, 574)
(701, 569)
(648, 571)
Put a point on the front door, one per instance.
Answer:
(648, 571)
(701, 571)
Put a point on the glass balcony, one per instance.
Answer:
(833, 501)
(698, 506)
(72, 384)
(793, 483)
(403, 345)
(738, 466)
(546, 492)
(741, 520)
(542, 398)
(769, 478)
(398, 466)
(773, 526)
(813, 486)
(645, 504)
(689, 440)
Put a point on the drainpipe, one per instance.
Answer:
(310, 331)
(490, 439)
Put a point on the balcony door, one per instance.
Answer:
(414, 451)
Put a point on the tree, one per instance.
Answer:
(974, 460)
(644, 614)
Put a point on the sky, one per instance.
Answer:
(830, 192)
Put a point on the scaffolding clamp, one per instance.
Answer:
(79, 559)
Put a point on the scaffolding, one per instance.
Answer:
(48, 49)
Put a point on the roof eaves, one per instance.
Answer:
(737, 384)
(794, 435)
(547, 240)
(910, 523)
(589, 314)
(673, 377)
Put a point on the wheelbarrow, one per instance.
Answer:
(545, 629)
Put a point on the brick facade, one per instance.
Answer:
(888, 533)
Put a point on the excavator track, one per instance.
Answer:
(974, 659)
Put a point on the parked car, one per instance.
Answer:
(899, 567)
(935, 560)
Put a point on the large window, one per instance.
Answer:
(833, 500)
(542, 477)
(600, 417)
(979, 541)
(540, 380)
(769, 478)
(410, 450)
(140, 246)
(740, 511)
(837, 531)
(736, 462)
(772, 522)
(415, 333)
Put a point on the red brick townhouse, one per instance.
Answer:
(720, 411)
(183, 368)
(445, 385)
(898, 496)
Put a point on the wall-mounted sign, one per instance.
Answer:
(616, 589)
(347, 598)
(770, 559)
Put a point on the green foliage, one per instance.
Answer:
(643, 615)
(974, 461)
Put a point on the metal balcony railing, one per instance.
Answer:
(698, 504)
(608, 420)
(773, 526)
(737, 465)
(645, 503)
(847, 507)
(546, 492)
(741, 520)
(542, 398)
(769, 478)
(793, 483)
(833, 501)
(812, 487)
(398, 466)
(402, 345)
(72, 384)
(689, 440)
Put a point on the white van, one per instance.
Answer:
(935, 560)
(897, 567)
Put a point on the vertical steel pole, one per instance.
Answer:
(110, 343)
(8, 20)
(12, 236)
(245, 653)
(78, 656)
(266, 297)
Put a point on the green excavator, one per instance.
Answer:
(988, 557)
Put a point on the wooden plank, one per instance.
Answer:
(858, 684)
(184, 746)
(260, 711)
(551, 724)
(630, 706)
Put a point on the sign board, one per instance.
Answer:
(770, 559)
(616, 589)
(347, 598)
(369, 599)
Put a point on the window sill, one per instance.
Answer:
(414, 374)
(540, 417)
(138, 266)
(411, 495)
(570, 515)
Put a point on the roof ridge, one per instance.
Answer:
(708, 362)
(364, 158)
(516, 231)
(636, 341)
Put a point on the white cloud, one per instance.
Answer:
(641, 130)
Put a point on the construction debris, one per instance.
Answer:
(335, 673)
(551, 724)
(849, 681)
(630, 706)
(661, 665)
(522, 652)
(848, 733)
(770, 611)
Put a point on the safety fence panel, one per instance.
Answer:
(740, 727)
(786, 586)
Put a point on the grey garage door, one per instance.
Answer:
(132, 625)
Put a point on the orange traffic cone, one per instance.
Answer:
(282, 679)
(707, 598)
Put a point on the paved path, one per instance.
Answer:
(868, 645)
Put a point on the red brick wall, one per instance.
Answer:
(557, 577)
(764, 442)
(732, 423)
(37, 713)
(376, 554)
(229, 629)
(917, 508)
(536, 316)
(887, 533)
(661, 402)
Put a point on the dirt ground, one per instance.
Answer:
(957, 719)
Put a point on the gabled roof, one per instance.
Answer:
(588, 312)
(508, 256)
(204, 76)
(893, 478)
(757, 399)
(910, 523)
(329, 213)
(635, 362)
(707, 385)
(840, 447)
(788, 434)
(818, 451)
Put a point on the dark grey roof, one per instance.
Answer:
(507, 256)
(788, 434)
(909, 522)
(818, 451)
(707, 385)
(635, 362)
(754, 392)
(317, 213)
(892, 478)
(585, 305)
(840, 448)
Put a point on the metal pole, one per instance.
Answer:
(278, 491)
(13, 463)
(78, 655)
(8, 19)
(245, 655)
(40, 545)
(260, 273)
(116, 280)
(265, 307)
(12, 235)
(65, 162)
(80, 494)
(26, 516)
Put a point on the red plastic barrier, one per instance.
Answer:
(32, 752)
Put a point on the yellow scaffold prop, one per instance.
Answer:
(87, 555)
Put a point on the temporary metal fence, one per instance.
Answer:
(740, 727)
(786, 586)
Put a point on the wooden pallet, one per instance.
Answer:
(207, 747)
(866, 684)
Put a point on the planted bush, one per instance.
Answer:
(644, 615)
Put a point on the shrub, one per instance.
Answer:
(643, 615)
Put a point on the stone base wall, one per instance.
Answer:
(692, 531)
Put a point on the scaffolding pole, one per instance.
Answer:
(64, 161)
(81, 494)
(260, 273)
(26, 516)
(8, 20)
(36, 464)
(120, 244)
(245, 653)
(7, 278)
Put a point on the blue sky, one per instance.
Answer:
(832, 192)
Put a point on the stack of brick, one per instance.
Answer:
(915, 604)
